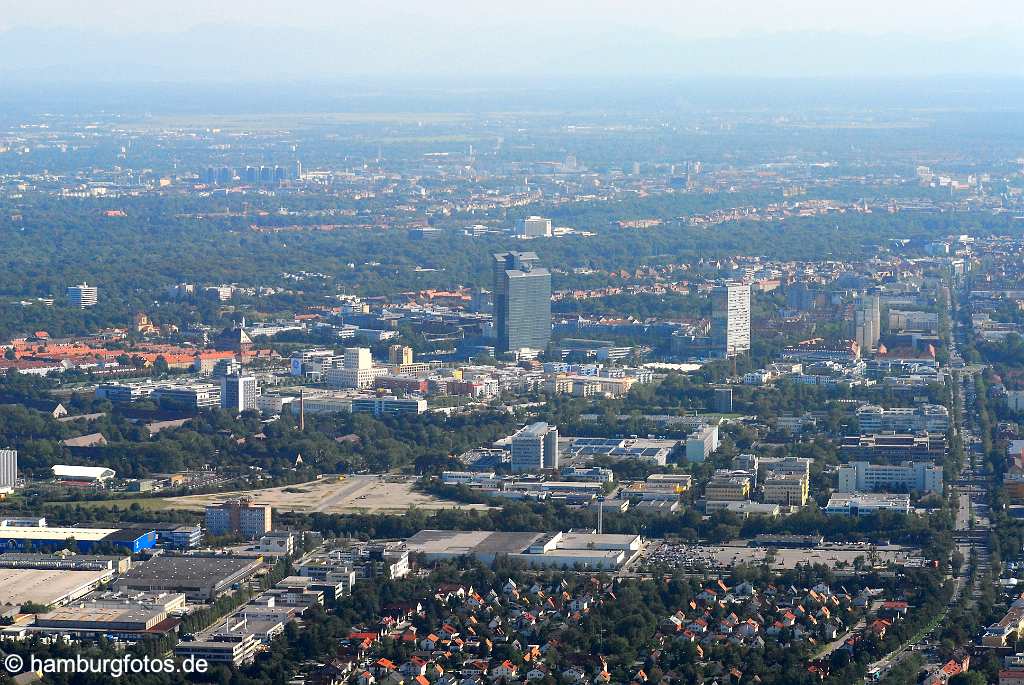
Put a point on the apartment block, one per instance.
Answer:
(239, 516)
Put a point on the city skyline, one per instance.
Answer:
(586, 342)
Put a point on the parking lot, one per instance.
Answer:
(666, 555)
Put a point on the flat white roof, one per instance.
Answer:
(43, 586)
(844, 498)
(569, 485)
(92, 472)
(55, 533)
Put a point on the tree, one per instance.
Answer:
(160, 365)
(956, 561)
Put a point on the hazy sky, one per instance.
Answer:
(112, 40)
(691, 19)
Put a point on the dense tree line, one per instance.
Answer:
(160, 243)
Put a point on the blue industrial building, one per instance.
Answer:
(25, 537)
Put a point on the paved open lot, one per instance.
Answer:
(333, 496)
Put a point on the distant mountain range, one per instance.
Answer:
(530, 49)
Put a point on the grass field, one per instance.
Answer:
(151, 503)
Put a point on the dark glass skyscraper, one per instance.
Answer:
(522, 302)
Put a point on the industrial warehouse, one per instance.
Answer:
(18, 534)
(200, 578)
(48, 587)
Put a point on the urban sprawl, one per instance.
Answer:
(495, 399)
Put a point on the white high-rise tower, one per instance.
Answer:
(730, 319)
(867, 322)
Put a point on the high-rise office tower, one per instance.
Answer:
(82, 296)
(522, 302)
(535, 447)
(867, 322)
(730, 319)
(238, 392)
(8, 470)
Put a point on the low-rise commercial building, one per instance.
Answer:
(742, 509)
(800, 466)
(728, 486)
(471, 478)
(1012, 624)
(171, 602)
(678, 483)
(644, 493)
(595, 474)
(538, 550)
(236, 651)
(388, 406)
(789, 489)
(182, 537)
(365, 559)
(893, 448)
(562, 487)
(866, 504)
(928, 418)
(338, 575)
(89, 620)
(650, 450)
(861, 476)
(191, 397)
(911, 320)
